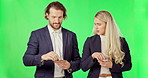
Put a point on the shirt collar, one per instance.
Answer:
(52, 30)
(103, 36)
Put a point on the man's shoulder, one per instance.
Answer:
(40, 29)
(67, 31)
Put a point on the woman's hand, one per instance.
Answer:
(107, 64)
(98, 56)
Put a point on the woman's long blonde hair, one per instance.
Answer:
(112, 34)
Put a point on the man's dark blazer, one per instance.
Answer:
(93, 44)
(40, 43)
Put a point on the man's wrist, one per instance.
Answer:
(69, 70)
(42, 57)
(42, 61)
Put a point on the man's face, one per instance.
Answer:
(55, 18)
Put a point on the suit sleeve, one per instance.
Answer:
(86, 61)
(75, 63)
(31, 57)
(127, 60)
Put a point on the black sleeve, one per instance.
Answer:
(87, 60)
(31, 57)
(75, 63)
(127, 59)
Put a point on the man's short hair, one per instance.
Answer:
(58, 6)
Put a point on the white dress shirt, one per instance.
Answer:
(104, 70)
(57, 42)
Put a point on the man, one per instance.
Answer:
(53, 49)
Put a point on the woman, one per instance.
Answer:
(106, 53)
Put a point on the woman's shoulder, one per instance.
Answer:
(122, 39)
(94, 36)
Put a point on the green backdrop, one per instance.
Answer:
(19, 17)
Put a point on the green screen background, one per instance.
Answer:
(19, 17)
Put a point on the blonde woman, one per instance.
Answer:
(106, 53)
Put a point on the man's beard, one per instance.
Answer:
(55, 27)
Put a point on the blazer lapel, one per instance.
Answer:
(48, 39)
(97, 43)
(64, 35)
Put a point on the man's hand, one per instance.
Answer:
(50, 56)
(64, 64)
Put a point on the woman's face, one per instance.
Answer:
(100, 26)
